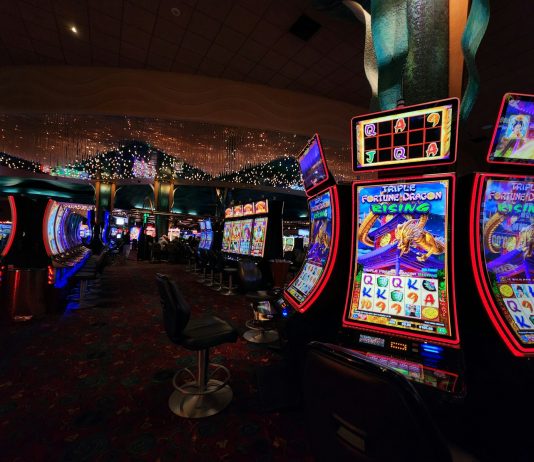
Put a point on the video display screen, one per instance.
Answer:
(261, 207)
(207, 224)
(319, 249)
(312, 164)
(202, 225)
(84, 231)
(417, 372)
(400, 278)
(120, 221)
(289, 243)
(513, 138)
(420, 134)
(507, 243)
(248, 209)
(5, 231)
(227, 236)
(134, 233)
(50, 227)
(259, 232)
(238, 211)
(229, 212)
(235, 237)
(208, 240)
(246, 235)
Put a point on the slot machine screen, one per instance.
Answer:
(248, 209)
(513, 137)
(202, 242)
(50, 227)
(134, 233)
(259, 232)
(59, 230)
(400, 278)
(319, 249)
(312, 164)
(84, 231)
(246, 236)
(289, 243)
(209, 239)
(235, 237)
(202, 226)
(261, 207)
(120, 221)
(5, 231)
(417, 372)
(227, 236)
(404, 137)
(208, 224)
(507, 250)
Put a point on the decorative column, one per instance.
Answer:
(163, 202)
(104, 199)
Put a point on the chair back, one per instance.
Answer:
(250, 275)
(361, 411)
(176, 310)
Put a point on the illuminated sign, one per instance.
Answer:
(406, 136)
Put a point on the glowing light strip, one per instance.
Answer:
(11, 237)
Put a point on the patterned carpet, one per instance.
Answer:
(93, 384)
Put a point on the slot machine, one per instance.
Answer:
(311, 301)
(8, 229)
(400, 306)
(253, 231)
(501, 245)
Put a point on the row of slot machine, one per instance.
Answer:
(438, 269)
(49, 234)
(253, 231)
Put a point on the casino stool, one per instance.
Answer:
(230, 288)
(362, 411)
(203, 395)
(260, 328)
(211, 262)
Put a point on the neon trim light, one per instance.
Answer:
(11, 237)
(499, 242)
(318, 286)
(398, 284)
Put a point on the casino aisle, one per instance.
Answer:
(93, 384)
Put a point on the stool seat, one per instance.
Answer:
(205, 332)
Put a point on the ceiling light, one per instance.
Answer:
(73, 30)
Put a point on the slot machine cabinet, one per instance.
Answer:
(400, 303)
(311, 302)
(498, 281)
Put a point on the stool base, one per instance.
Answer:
(261, 336)
(197, 406)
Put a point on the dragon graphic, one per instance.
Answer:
(409, 234)
(525, 241)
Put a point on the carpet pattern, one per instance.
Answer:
(93, 384)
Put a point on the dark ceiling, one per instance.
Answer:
(244, 40)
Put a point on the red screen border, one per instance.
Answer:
(454, 340)
(503, 329)
(11, 238)
(330, 262)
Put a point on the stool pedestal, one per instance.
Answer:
(259, 334)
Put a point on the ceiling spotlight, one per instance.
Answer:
(176, 11)
(73, 30)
